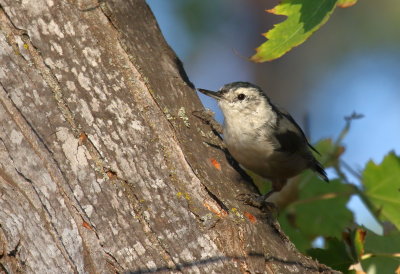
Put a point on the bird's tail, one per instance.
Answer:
(317, 167)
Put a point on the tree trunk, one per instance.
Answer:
(103, 168)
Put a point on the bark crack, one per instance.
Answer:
(10, 262)
(42, 151)
(57, 237)
(95, 6)
(15, 250)
(108, 14)
(152, 236)
(86, 219)
(43, 69)
(3, 268)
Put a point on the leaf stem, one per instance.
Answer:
(390, 255)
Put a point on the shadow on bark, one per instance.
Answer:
(184, 266)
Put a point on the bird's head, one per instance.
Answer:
(240, 99)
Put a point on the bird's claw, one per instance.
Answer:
(207, 116)
(257, 201)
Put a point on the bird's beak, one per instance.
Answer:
(212, 94)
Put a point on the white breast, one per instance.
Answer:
(246, 138)
(244, 148)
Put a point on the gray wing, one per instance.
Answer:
(286, 121)
(292, 139)
(289, 138)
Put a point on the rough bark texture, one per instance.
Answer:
(102, 166)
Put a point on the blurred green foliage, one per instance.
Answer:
(382, 252)
(200, 17)
(334, 254)
(321, 208)
(380, 189)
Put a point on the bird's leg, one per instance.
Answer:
(207, 116)
(277, 186)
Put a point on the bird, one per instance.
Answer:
(263, 137)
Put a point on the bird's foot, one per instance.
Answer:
(257, 201)
(207, 116)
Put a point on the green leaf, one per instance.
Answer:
(303, 18)
(321, 208)
(380, 265)
(334, 255)
(382, 244)
(382, 188)
(383, 250)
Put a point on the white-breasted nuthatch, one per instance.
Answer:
(263, 137)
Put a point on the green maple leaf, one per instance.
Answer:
(321, 208)
(384, 251)
(382, 188)
(304, 17)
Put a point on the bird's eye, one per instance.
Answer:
(241, 96)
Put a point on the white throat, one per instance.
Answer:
(248, 119)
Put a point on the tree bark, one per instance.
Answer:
(103, 168)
